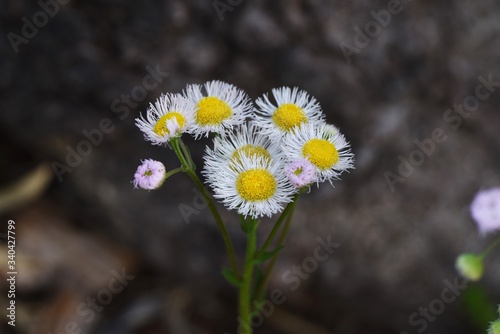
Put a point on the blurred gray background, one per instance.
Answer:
(387, 73)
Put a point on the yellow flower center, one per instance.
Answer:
(256, 185)
(250, 151)
(288, 115)
(212, 111)
(160, 127)
(321, 153)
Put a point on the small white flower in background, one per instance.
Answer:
(169, 117)
(149, 175)
(253, 185)
(301, 173)
(218, 108)
(485, 209)
(246, 139)
(328, 152)
(293, 107)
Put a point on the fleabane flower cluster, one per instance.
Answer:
(214, 107)
(261, 156)
(313, 150)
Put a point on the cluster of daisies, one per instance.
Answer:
(262, 155)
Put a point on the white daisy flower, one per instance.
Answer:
(293, 107)
(170, 116)
(219, 108)
(327, 150)
(252, 185)
(246, 140)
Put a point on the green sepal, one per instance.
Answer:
(231, 277)
(245, 225)
(248, 225)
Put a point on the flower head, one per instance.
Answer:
(301, 172)
(170, 116)
(485, 209)
(218, 108)
(149, 175)
(293, 108)
(252, 185)
(328, 151)
(244, 140)
(470, 266)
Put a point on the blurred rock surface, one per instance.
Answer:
(397, 247)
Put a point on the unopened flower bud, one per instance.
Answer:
(301, 173)
(150, 175)
(470, 266)
(494, 327)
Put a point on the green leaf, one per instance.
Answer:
(479, 306)
(267, 255)
(231, 277)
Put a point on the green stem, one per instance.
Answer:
(277, 226)
(178, 152)
(244, 303)
(174, 171)
(490, 248)
(260, 290)
(210, 203)
(218, 221)
(187, 154)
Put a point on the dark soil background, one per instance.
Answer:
(397, 246)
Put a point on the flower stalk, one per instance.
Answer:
(261, 288)
(244, 295)
(187, 162)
